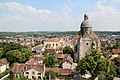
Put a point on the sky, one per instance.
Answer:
(58, 15)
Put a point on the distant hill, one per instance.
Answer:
(55, 33)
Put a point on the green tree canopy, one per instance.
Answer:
(67, 50)
(117, 64)
(20, 56)
(11, 46)
(117, 45)
(21, 78)
(96, 65)
(50, 61)
(15, 53)
(13, 56)
(118, 71)
(49, 75)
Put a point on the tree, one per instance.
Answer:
(14, 56)
(67, 50)
(21, 78)
(96, 65)
(117, 64)
(2, 44)
(11, 46)
(50, 75)
(50, 60)
(1, 50)
(26, 53)
(118, 72)
(117, 61)
(15, 53)
(20, 56)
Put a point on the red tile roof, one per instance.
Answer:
(20, 68)
(60, 56)
(34, 59)
(50, 50)
(59, 48)
(115, 51)
(37, 57)
(51, 40)
(60, 70)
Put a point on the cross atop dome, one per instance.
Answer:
(85, 16)
(86, 25)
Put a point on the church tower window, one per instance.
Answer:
(86, 43)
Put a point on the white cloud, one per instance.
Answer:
(104, 11)
(19, 17)
(105, 17)
(13, 6)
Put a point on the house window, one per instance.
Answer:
(61, 43)
(39, 77)
(86, 43)
(39, 73)
(27, 72)
(33, 72)
(33, 77)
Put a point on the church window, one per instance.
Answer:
(86, 43)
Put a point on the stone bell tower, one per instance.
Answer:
(86, 39)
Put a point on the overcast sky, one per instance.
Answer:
(58, 15)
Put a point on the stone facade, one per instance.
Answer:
(34, 74)
(86, 40)
(4, 65)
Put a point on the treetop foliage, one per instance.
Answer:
(67, 50)
(15, 53)
(96, 65)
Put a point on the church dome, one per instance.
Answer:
(86, 22)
